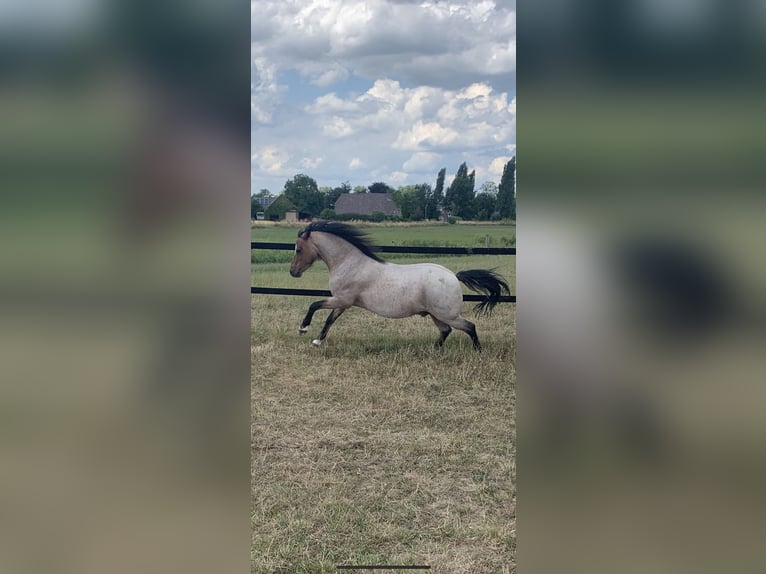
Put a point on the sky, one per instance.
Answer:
(362, 91)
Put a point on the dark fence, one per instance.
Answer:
(386, 249)
(406, 249)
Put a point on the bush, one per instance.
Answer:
(377, 217)
(350, 216)
(452, 220)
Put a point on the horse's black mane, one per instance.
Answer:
(352, 234)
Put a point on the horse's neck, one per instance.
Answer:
(339, 254)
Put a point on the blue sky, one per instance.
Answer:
(381, 90)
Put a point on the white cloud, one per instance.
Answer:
(381, 89)
(271, 159)
(311, 162)
(265, 92)
(419, 119)
(397, 177)
(497, 165)
(331, 103)
(436, 43)
(422, 161)
(337, 127)
(387, 92)
(331, 76)
(425, 134)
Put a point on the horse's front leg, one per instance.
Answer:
(331, 303)
(313, 308)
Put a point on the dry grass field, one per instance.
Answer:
(377, 448)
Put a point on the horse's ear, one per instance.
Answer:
(304, 234)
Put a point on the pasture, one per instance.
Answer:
(377, 448)
(416, 234)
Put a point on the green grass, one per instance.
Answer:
(421, 235)
(376, 447)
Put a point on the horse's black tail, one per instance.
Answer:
(484, 281)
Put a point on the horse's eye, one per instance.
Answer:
(297, 250)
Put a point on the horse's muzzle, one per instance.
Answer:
(295, 273)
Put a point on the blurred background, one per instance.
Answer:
(124, 170)
(642, 309)
(124, 162)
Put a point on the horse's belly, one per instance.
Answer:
(390, 306)
(406, 290)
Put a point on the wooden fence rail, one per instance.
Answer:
(385, 249)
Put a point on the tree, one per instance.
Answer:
(430, 207)
(460, 195)
(263, 193)
(360, 189)
(379, 187)
(304, 194)
(333, 194)
(506, 192)
(278, 207)
(412, 200)
(484, 205)
(438, 196)
(489, 187)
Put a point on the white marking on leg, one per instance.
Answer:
(302, 330)
(316, 342)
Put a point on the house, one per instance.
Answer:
(366, 204)
(264, 202)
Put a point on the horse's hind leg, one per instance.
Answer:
(467, 327)
(444, 329)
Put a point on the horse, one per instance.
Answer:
(359, 278)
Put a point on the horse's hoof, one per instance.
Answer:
(302, 330)
(316, 342)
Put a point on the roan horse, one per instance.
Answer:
(358, 277)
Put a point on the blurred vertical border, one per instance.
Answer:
(642, 308)
(124, 339)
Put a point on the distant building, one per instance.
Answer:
(366, 203)
(291, 216)
(265, 201)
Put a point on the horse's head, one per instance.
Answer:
(305, 254)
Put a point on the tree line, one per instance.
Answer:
(415, 202)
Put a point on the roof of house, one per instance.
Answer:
(366, 203)
(265, 201)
